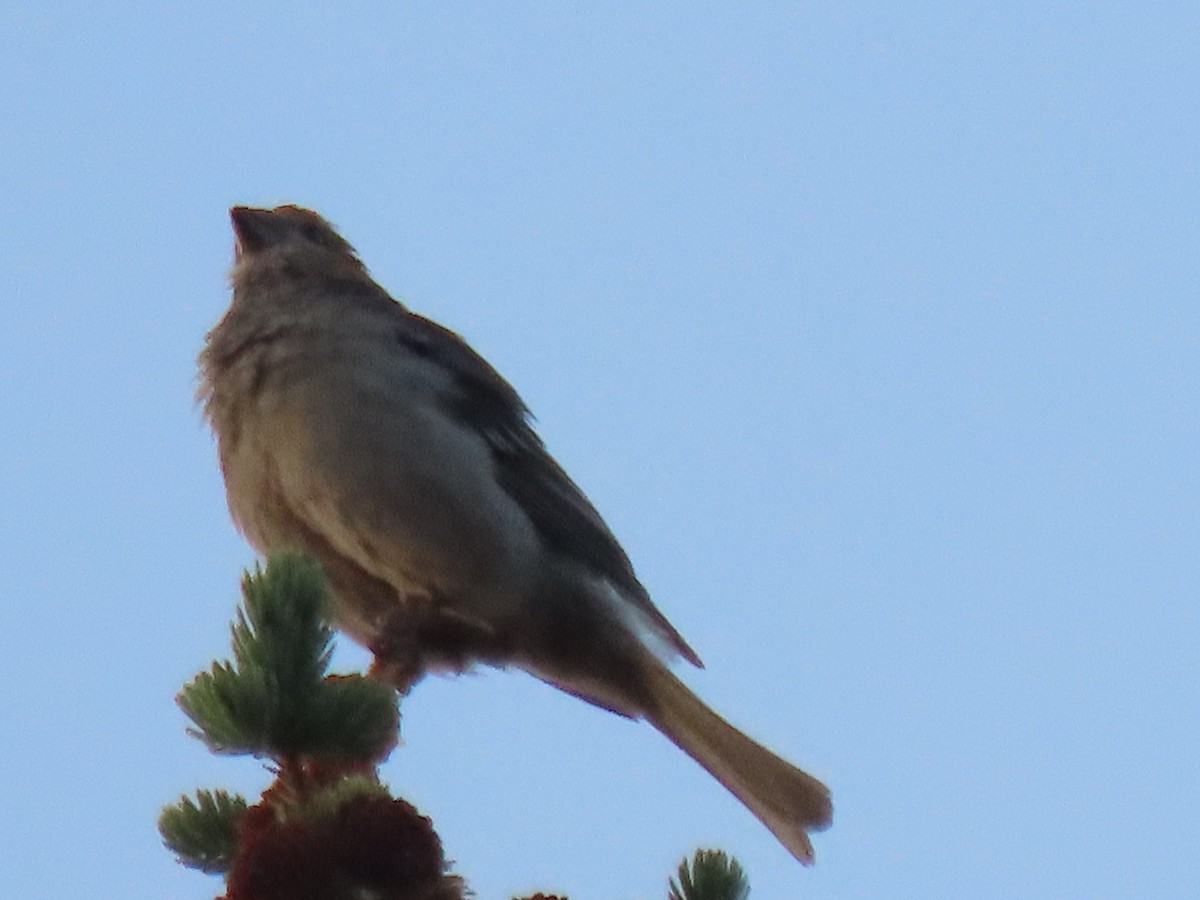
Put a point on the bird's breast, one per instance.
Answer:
(348, 444)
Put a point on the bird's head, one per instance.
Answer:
(292, 230)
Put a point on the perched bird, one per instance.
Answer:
(380, 443)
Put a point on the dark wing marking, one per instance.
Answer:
(564, 517)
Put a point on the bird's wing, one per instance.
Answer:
(560, 512)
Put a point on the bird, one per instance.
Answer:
(377, 441)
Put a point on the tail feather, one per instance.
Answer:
(789, 802)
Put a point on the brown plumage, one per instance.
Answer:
(383, 445)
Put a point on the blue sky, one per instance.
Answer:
(873, 332)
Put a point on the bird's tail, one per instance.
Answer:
(789, 802)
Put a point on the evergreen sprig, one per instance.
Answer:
(712, 875)
(275, 699)
(203, 832)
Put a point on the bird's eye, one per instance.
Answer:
(312, 233)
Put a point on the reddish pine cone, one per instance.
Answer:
(374, 845)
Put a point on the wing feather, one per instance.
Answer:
(559, 510)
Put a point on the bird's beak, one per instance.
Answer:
(253, 228)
